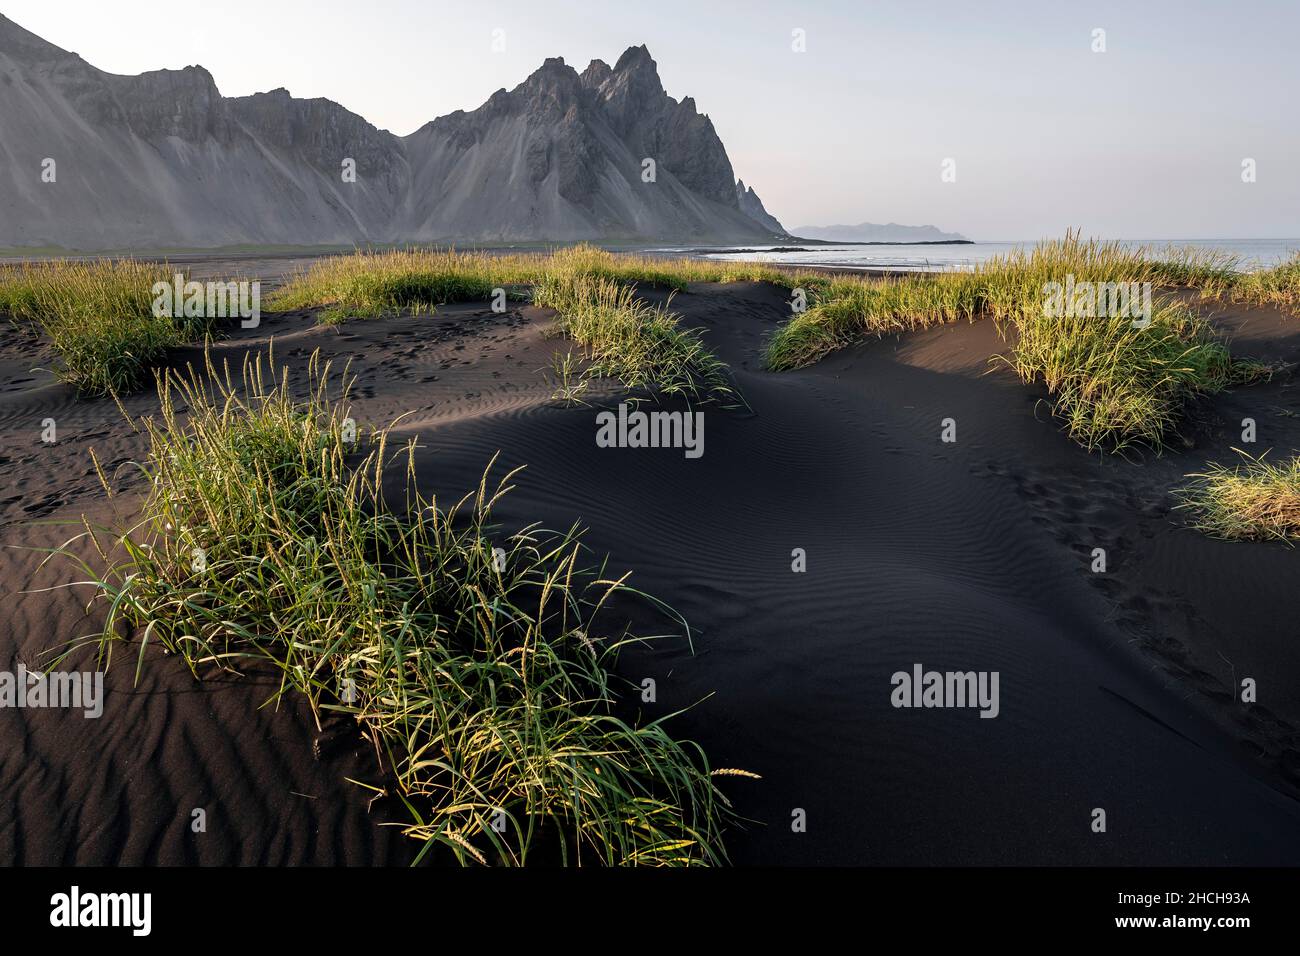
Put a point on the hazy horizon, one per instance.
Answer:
(1145, 139)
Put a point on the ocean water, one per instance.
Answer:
(1251, 253)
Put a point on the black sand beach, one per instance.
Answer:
(1118, 691)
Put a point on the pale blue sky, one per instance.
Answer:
(1144, 141)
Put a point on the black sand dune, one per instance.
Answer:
(1117, 690)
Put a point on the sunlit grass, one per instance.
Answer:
(378, 283)
(98, 316)
(1279, 285)
(593, 292)
(1253, 500)
(1113, 381)
(1005, 287)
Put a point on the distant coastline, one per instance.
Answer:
(705, 250)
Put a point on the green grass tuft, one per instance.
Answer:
(1114, 384)
(632, 342)
(483, 683)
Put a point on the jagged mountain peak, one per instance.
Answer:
(552, 66)
(636, 57)
(633, 84)
(554, 87)
(596, 73)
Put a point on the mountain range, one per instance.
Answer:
(92, 160)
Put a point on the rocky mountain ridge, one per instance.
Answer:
(92, 160)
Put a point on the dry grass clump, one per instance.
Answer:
(1253, 500)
